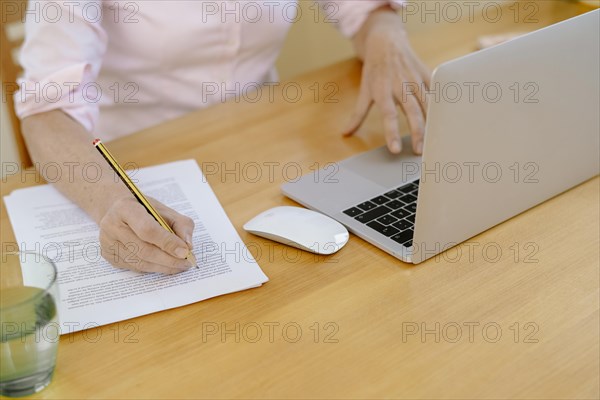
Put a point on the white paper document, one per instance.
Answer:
(92, 292)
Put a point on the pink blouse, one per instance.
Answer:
(118, 66)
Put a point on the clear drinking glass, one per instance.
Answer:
(29, 330)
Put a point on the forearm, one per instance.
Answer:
(53, 137)
(379, 20)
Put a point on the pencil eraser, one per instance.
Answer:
(95, 142)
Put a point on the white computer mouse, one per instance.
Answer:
(298, 227)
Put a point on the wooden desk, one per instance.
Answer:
(528, 329)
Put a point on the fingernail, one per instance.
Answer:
(396, 146)
(181, 252)
(188, 241)
(420, 147)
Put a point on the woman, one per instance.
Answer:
(115, 67)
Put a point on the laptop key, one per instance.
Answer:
(379, 200)
(393, 194)
(402, 225)
(401, 213)
(367, 205)
(387, 219)
(372, 214)
(395, 204)
(409, 198)
(411, 218)
(406, 189)
(403, 237)
(389, 231)
(411, 207)
(384, 230)
(353, 212)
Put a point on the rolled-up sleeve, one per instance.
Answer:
(61, 58)
(349, 15)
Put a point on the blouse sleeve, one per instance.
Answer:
(61, 58)
(349, 15)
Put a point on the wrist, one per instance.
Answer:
(112, 193)
(381, 23)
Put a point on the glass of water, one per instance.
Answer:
(29, 330)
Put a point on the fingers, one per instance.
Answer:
(149, 253)
(380, 94)
(363, 105)
(403, 85)
(385, 101)
(131, 238)
(416, 122)
(124, 256)
(181, 224)
(148, 230)
(421, 76)
(411, 96)
(423, 70)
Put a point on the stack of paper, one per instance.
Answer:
(92, 292)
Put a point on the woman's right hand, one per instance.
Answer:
(131, 238)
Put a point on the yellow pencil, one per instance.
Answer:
(135, 191)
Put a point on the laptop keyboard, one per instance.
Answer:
(392, 214)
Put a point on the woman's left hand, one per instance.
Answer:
(392, 75)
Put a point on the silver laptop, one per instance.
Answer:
(509, 127)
